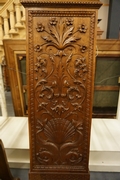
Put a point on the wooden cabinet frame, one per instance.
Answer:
(13, 50)
(108, 48)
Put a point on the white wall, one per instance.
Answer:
(103, 14)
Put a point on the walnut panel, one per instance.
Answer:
(61, 46)
(60, 88)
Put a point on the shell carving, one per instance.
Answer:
(61, 146)
(59, 130)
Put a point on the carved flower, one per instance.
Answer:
(61, 36)
(80, 66)
(69, 21)
(77, 106)
(53, 21)
(82, 28)
(41, 64)
(40, 27)
(83, 49)
(37, 48)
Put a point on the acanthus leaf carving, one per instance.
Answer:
(60, 76)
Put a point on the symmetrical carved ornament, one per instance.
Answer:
(60, 91)
(60, 87)
(61, 45)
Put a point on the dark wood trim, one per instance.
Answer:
(106, 88)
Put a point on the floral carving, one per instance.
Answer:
(40, 27)
(69, 21)
(83, 49)
(41, 65)
(53, 21)
(37, 48)
(80, 67)
(60, 91)
(59, 39)
(82, 28)
(77, 106)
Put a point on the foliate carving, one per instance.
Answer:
(59, 87)
(60, 91)
(61, 47)
(60, 34)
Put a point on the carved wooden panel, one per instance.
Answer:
(61, 48)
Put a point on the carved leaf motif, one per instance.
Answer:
(60, 71)
(47, 38)
(77, 106)
(67, 33)
(59, 109)
(43, 105)
(59, 34)
(54, 33)
(71, 39)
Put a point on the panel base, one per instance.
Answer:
(55, 176)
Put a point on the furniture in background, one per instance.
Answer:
(15, 55)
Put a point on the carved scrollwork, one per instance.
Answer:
(58, 148)
(59, 109)
(60, 91)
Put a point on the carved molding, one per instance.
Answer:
(83, 3)
(60, 176)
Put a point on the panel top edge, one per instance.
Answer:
(81, 3)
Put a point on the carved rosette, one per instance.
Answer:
(60, 90)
